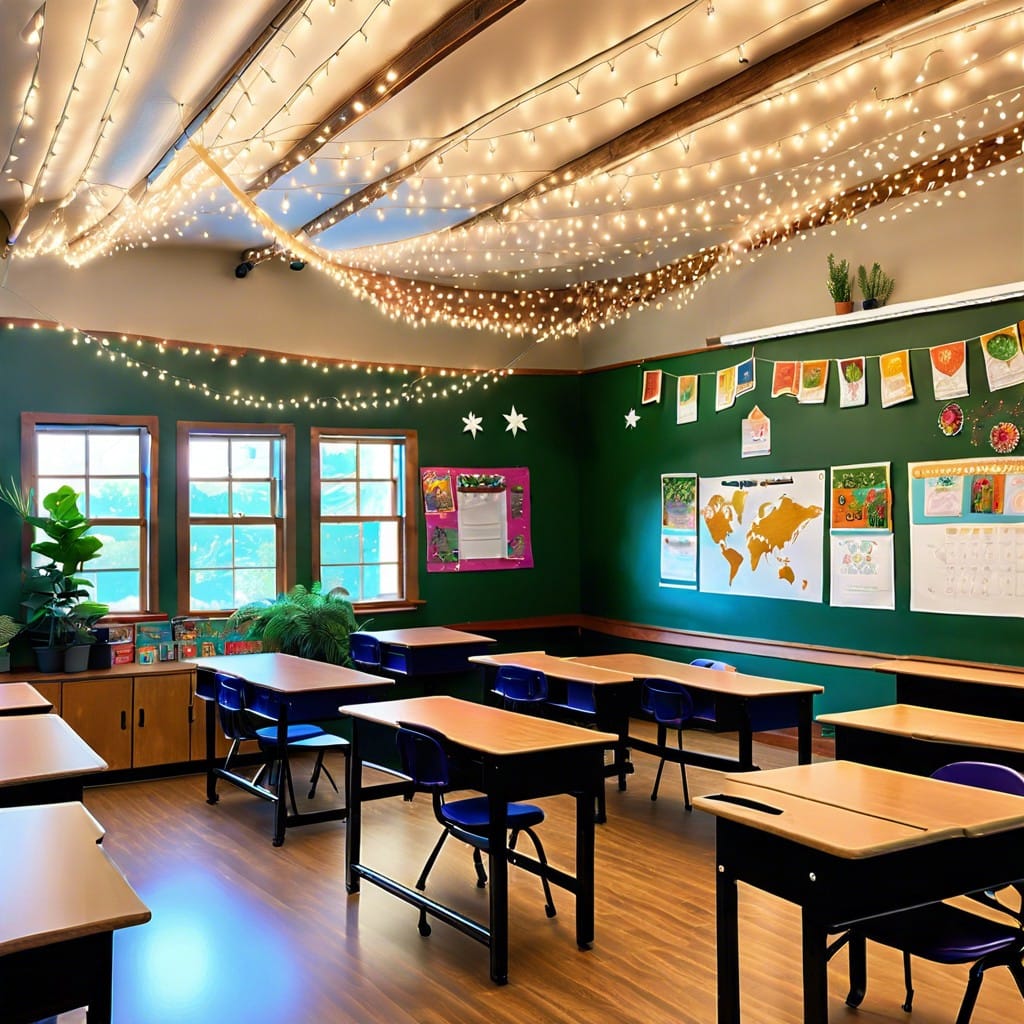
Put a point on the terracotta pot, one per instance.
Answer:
(844, 307)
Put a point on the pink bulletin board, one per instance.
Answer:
(477, 519)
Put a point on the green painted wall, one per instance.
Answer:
(620, 514)
(43, 372)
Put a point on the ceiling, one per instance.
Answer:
(531, 166)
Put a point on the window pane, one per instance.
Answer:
(337, 460)
(210, 547)
(251, 498)
(208, 499)
(209, 591)
(208, 457)
(346, 576)
(120, 548)
(60, 452)
(387, 540)
(376, 499)
(255, 546)
(375, 461)
(250, 457)
(114, 499)
(253, 585)
(47, 485)
(339, 542)
(338, 500)
(387, 580)
(118, 589)
(114, 453)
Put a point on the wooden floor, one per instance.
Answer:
(243, 933)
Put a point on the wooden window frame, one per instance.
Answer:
(409, 532)
(285, 528)
(149, 582)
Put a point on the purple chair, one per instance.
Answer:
(671, 707)
(943, 933)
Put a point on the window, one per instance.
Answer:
(109, 462)
(235, 543)
(364, 521)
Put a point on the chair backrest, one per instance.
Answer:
(364, 650)
(983, 775)
(719, 666)
(423, 758)
(235, 720)
(666, 701)
(516, 683)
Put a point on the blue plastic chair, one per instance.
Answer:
(364, 651)
(518, 686)
(943, 933)
(671, 707)
(703, 703)
(424, 758)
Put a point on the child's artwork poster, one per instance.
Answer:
(861, 542)
(679, 530)
(746, 376)
(725, 388)
(755, 434)
(852, 382)
(652, 387)
(897, 384)
(949, 370)
(967, 536)
(1004, 362)
(686, 398)
(477, 519)
(784, 379)
(813, 382)
(862, 497)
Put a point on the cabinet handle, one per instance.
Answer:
(124, 720)
(142, 717)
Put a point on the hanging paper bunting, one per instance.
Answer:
(652, 387)
(746, 378)
(1004, 363)
(813, 382)
(852, 382)
(784, 379)
(897, 385)
(686, 399)
(949, 370)
(725, 388)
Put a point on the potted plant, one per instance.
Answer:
(307, 623)
(840, 284)
(59, 615)
(9, 629)
(875, 285)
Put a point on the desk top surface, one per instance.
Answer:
(934, 724)
(557, 668)
(22, 698)
(35, 748)
(854, 810)
(285, 673)
(643, 666)
(61, 884)
(426, 636)
(480, 727)
(954, 673)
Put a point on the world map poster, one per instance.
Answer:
(763, 535)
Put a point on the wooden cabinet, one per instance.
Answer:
(161, 719)
(100, 711)
(51, 691)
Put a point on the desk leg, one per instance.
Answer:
(804, 723)
(745, 754)
(211, 752)
(497, 858)
(585, 868)
(354, 821)
(815, 962)
(281, 802)
(728, 939)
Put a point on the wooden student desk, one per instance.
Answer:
(43, 760)
(914, 739)
(419, 651)
(759, 704)
(607, 695)
(520, 758)
(22, 699)
(282, 688)
(61, 901)
(847, 842)
(997, 693)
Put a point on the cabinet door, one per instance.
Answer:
(161, 719)
(51, 691)
(100, 711)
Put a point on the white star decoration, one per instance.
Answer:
(473, 424)
(632, 419)
(516, 421)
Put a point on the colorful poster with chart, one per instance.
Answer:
(853, 389)
(967, 536)
(679, 530)
(1004, 362)
(485, 522)
(949, 370)
(862, 570)
(897, 385)
(686, 398)
(862, 497)
(762, 535)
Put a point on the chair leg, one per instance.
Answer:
(858, 969)
(908, 981)
(661, 763)
(421, 882)
(285, 768)
(315, 777)
(478, 863)
(977, 973)
(682, 771)
(549, 905)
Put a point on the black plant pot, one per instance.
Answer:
(50, 659)
(871, 304)
(76, 658)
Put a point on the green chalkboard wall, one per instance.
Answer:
(620, 470)
(43, 372)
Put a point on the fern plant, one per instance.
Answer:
(306, 623)
(875, 285)
(839, 282)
